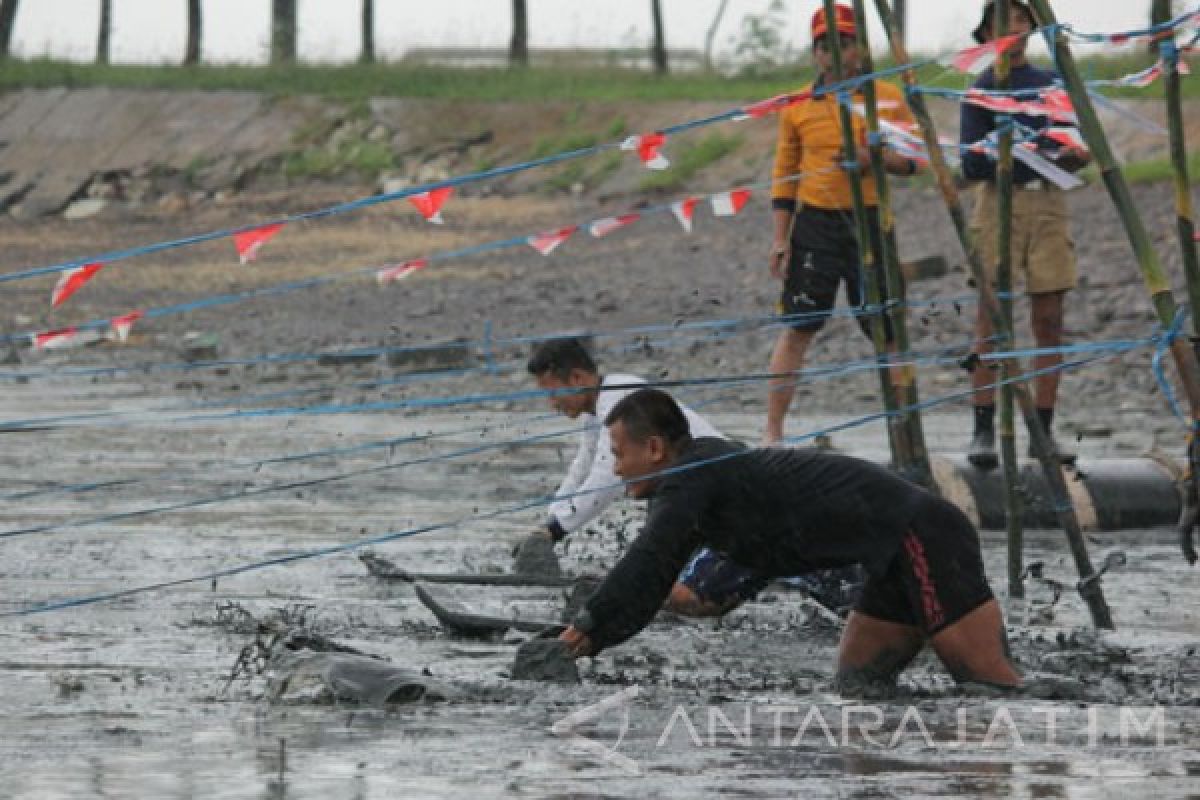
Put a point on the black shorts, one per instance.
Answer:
(936, 578)
(824, 254)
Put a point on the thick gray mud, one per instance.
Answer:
(174, 693)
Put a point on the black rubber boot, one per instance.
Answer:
(1064, 454)
(982, 452)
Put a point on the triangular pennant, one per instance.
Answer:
(248, 243)
(430, 203)
(70, 282)
(975, 60)
(727, 204)
(545, 243)
(647, 146)
(123, 324)
(56, 339)
(1052, 103)
(683, 211)
(603, 227)
(395, 273)
(1058, 106)
(772, 104)
(1067, 137)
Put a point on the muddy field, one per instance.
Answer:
(132, 697)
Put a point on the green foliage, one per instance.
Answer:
(1155, 169)
(362, 81)
(367, 158)
(691, 159)
(760, 45)
(562, 143)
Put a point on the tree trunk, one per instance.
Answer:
(8, 16)
(103, 40)
(195, 28)
(660, 41)
(283, 31)
(518, 46)
(711, 34)
(368, 32)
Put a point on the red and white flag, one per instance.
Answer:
(56, 339)
(684, 210)
(648, 147)
(398, 271)
(248, 243)
(430, 203)
(772, 104)
(603, 227)
(545, 243)
(70, 282)
(1054, 104)
(124, 324)
(727, 204)
(1067, 137)
(975, 60)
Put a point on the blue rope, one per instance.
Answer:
(323, 280)
(389, 197)
(1165, 340)
(76, 602)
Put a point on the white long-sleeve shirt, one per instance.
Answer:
(592, 467)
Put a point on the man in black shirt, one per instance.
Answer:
(785, 511)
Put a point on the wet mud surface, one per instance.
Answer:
(195, 691)
(133, 696)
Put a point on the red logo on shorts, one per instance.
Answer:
(930, 605)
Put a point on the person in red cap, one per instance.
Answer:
(814, 246)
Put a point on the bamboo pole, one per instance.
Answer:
(1089, 590)
(899, 446)
(1183, 189)
(1008, 434)
(903, 378)
(1152, 272)
(1191, 272)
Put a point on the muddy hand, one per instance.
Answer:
(578, 643)
(1189, 518)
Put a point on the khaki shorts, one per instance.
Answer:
(1042, 248)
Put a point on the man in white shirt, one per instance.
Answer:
(710, 584)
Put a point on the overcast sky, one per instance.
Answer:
(236, 30)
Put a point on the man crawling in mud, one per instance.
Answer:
(788, 511)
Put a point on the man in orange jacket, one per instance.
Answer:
(815, 247)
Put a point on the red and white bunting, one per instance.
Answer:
(70, 281)
(975, 60)
(124, 324)
(603, 227)
(1140, 80)
(684, 210)
(727, 204)
(648, 147)
(1054, 104)
(546, 243)
(56, 339)
(398, 271)
(1067, 137)
(772, 104)
(430, 203)
(248, 243)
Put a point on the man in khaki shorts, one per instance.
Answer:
(1042, 250)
